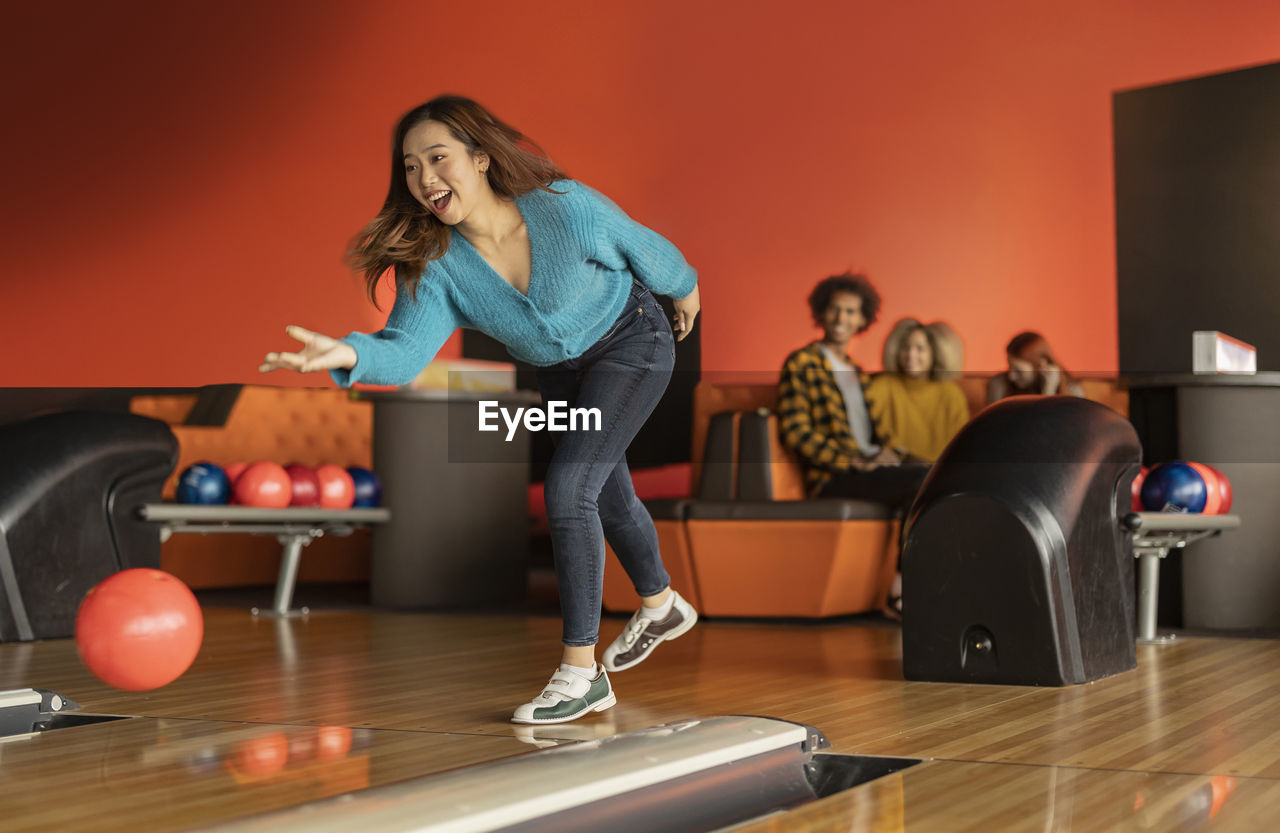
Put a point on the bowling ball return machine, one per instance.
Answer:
(1018, 558)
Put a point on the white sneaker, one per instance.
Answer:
(642, 635)
(566, 697)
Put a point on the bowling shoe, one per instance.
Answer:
(642, 635)
(566, 697)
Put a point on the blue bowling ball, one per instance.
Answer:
(1174, 487)
(204, 483)
(368, 487)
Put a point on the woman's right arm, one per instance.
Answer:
(415, 331)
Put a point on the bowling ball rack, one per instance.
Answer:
(294, 527)
(1153, 535)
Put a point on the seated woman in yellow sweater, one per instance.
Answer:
(914, 403)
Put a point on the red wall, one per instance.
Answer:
(181, 182)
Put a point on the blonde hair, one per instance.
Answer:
(944, 341)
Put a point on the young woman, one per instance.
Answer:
(483, 231)
(1032, 369)
(916, 407)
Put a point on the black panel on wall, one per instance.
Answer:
(667, 435)
(23, 403)
(1197, 167)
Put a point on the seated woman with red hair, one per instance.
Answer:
(1032, 370)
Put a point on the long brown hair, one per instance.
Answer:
(404, 235)
(1032, 347)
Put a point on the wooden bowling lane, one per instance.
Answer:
(466, 673)
(439, 689)
(966, 797)
(160, 774)
(1198, 705)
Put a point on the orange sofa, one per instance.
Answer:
(751, 544)
(282, 425)
(712, 397)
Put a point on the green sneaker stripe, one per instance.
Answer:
(599, 690)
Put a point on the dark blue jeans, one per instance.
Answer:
(589, 493)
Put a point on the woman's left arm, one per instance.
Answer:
(686, 311)
(653, 259)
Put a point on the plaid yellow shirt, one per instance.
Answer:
(812, 418)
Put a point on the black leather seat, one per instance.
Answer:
(70, 486)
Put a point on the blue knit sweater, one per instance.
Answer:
(584, 252)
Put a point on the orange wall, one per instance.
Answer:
(180, 182)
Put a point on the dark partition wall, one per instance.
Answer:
(667, 435)
(1197, 166)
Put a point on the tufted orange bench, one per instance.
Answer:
(751, 544)
(283, 425)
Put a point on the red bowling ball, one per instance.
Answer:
(1224, 489)
(139, 629)
(1135, 490)
(1213, 492)
(306, 486)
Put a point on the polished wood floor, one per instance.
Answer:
(1188, 741)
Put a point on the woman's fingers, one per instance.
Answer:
(682, 324)
(302, 334)
(317, 353)
(282, 361)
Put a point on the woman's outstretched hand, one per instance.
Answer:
(686, 311)
(319, 352)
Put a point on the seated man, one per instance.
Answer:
(822, 415)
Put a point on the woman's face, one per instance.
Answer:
(916, 356)
(1021, 372)
(442, 174)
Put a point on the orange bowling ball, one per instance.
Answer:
(139, 629)
(264, 484)
(234, 470)
(261, 756)
(332, 742)
(337, 489)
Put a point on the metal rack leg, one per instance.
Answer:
(293, 545)
(1148, 597)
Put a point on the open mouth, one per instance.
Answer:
(440, 201)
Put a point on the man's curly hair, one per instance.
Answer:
(860, 285)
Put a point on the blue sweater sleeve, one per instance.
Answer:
(657, 263)
(416, 330)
